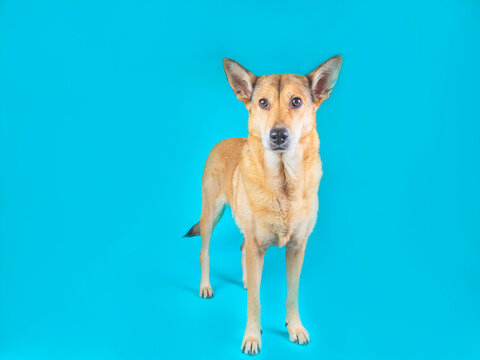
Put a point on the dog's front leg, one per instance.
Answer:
(294, 259)
(252, 342)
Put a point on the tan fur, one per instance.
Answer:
(273, 194)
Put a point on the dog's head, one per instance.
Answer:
(282, 107)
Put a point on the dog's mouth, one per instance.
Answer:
(278, 148)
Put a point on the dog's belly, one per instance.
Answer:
(278, 233)
(273, 238)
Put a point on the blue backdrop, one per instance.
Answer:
(108, 110)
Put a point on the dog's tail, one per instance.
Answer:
(194, 230)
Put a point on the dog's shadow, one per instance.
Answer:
(184, 287)
(283, 333)
(225, 279)
(219, 280)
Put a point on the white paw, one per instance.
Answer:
(298, 334)
(206, 291)
(252, 343)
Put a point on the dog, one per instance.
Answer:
(270, 180)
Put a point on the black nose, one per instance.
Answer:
(279, 135)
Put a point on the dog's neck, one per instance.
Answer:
(283, 171)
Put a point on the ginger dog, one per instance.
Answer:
(270, 180)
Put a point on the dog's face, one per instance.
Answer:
(282, 107)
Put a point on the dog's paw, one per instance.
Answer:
(206, 292)
(298, 334)
(252, 343)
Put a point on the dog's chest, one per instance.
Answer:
(283, 219)
(277, 202)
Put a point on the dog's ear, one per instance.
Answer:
(240, 79)
(323, 78)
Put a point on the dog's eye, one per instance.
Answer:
(263, 103)
(296, 103)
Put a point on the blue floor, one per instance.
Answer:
(108, 110)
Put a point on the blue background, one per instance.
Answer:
(107, 113)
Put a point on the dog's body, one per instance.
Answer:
(270, 180)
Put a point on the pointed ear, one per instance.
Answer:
(240, 79)
(323, 78)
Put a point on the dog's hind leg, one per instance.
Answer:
(213, 205)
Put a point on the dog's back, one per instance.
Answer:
(217, 178)
(220, 168)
